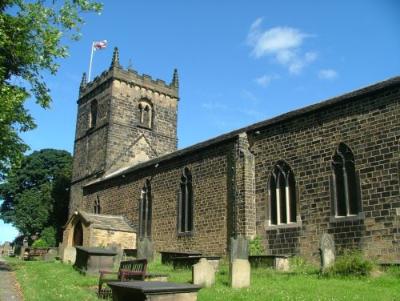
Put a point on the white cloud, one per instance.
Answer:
(283, 43)
(327, 74)
(265, 80)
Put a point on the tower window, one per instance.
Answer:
(282, 192)
(345, 182)
(145, 211)
(185, 214)
(145, 114)
(93, 114)
(97, 207)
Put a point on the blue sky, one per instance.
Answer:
(239, 62)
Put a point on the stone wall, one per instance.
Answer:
(118, 138)
(121, 196)
(230, 175)
(108, 238)
(370, 126)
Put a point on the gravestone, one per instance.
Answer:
(327, 251)
(51, 254)
(120, 252)
(24, 246)
(239, 273)
(281, 263)
(145, 249)
(69, 255)
(239, 248)
(203, 273)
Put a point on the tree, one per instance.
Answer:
(31, 43)
(36, 195)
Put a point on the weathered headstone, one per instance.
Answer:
(69, 255)
(51, 254)
(145, 249)
(239, 273)
(281, 263)
(203, 273)
(24, 246)
(120, 252)
(239, 248)
(327, 251)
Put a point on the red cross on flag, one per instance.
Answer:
(100, 45)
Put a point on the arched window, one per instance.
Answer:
(97, 207)
(185, 216)
(345, 184)
(282, 192)
(93, 114)
(145, 210)
(145, 113)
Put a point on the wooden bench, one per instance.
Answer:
(128, 270)
(168, 256)
(33, 253)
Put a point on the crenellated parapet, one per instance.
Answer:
(130, 77)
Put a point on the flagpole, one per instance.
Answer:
(90, 63)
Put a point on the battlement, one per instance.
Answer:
(132, 77)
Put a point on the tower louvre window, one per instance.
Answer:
(346, 200)
(185, 215)
(282, 195)
(93, 114)
(145, 210)
(145, 113)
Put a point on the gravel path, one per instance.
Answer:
(8, 284)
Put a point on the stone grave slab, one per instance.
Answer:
(154, 291)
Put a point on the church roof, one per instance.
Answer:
(106, 222)
(341, 99)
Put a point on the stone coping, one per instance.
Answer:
(191, 253)
(97, 251)
(270, 256)
(156, 287)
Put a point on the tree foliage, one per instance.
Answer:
(35, 196)
(31, 43)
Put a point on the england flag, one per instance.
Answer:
(100, 45)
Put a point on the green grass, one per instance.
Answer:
(56, 281)
(51, 281)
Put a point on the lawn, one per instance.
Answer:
(56, 281)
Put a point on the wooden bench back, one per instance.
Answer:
(132, 269)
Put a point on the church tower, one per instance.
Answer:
(124, 118)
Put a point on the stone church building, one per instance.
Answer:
(332, 167)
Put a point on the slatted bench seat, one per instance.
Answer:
(34, 253)
(156, 277)
(128, 270)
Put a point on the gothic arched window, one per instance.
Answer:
(93, 114)
(145, 210)
(282, 192)
(145, 113)
(97, 207)
(185, 216)
(345, 184)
